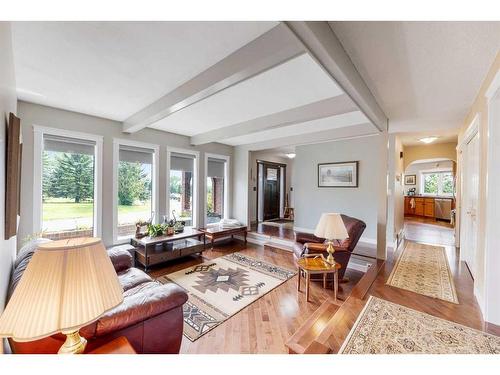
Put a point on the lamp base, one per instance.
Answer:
(330, 251)
(74, 344)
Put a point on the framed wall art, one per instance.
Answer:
(339, 174)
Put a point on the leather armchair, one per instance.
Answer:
(307, 243)
(150, 316)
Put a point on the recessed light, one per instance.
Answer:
(290, 155)
(428, 140)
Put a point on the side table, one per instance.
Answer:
(119, 345)
(316, 264)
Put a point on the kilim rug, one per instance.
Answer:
(388, 328)
(221, 287)
(424, 269)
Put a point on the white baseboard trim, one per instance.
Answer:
(364, 240)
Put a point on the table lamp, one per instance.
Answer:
(331, 227)
(66, 285)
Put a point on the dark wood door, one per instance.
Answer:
(271, 192)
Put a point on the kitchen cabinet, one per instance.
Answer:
(423, 206)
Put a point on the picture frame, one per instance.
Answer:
(411, 179)
(338, 174)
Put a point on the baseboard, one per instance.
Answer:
(363, 240)
(358, 264)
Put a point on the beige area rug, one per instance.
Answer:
(388, 328)
(221, 287)
(424, 269)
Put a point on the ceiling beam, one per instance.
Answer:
(273, 48)
(317, 110)
(323, 45)
(317, 137)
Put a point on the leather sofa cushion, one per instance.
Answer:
(121, 257)
(132, 277)
(140, 303)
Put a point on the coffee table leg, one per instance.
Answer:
(324, 280)
(146, 258)
(335, 284)
(298, 280)
(308, 279)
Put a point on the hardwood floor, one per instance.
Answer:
(284, 317)
(427, 230)
(337, 326)
(265, 325)
(273, 231)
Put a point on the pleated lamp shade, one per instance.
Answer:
(331, 226)
(67, 285)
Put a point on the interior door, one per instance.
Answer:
(271, 192)
(471, 179)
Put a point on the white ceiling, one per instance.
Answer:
(424, 75)
(294, 83)
(328, 123)
(114, 69)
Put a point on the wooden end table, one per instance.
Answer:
(316, 264)
(119, 345)
(216, 232)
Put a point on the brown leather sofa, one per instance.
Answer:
(150, 316)
(307, 243)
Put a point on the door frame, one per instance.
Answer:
(260, 161)
(471, 131)
(491, 300)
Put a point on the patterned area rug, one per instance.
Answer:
(387, 328)
(424, 269)
(221, 287)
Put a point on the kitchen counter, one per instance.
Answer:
(428, 196)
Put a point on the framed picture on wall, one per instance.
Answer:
(343, 174)
(411, 179)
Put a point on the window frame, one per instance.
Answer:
(227, 176)
(195, 191)
(38, 148)
(117, 142)
(439, 193)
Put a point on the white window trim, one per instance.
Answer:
(194, 193)
(422, 182)
(155, 204)
(39, 132)
(227, 176)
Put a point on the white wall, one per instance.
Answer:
(32, 114)
(8, 103)
(395, 206)
(241, 186)
(418, 168)
(271, 157)
(361, 202)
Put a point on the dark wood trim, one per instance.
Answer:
(341, 162)
(13, 175)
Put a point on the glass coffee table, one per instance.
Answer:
(316, 264)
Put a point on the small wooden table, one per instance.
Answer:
(216, 232)
(119, 345)
(316, 264)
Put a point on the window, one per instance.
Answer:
(135, 180)
(182, 186)
(67, 187)
(437, 183)
(216, 188)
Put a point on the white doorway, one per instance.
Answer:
(470, 196)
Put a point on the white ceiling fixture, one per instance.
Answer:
(428, 140)
(424, 75)
(291, 155)
(114, 69)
